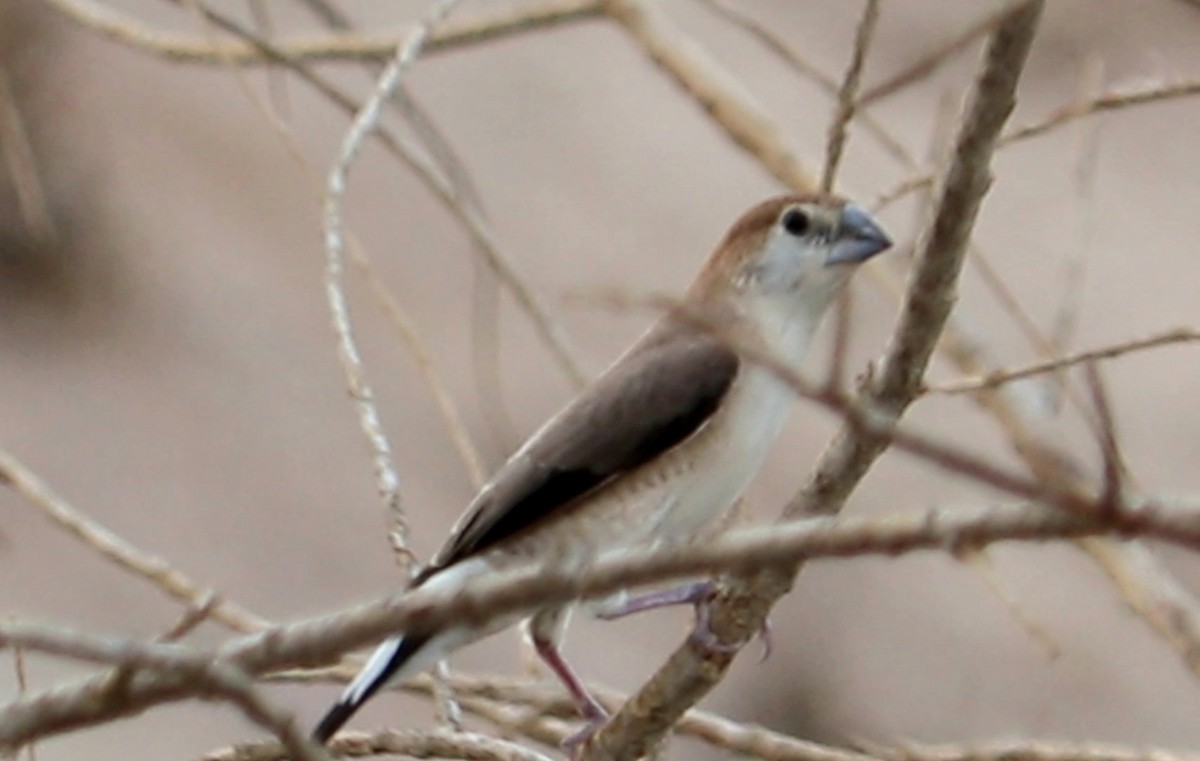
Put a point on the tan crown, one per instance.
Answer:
(745, 240)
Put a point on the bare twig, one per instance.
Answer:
(387, 476)
(407, 330)
(548, 329)
(1110, 443)
(404, 325)
(206, 676)
(422, 122)
(711, 85)
(998, 378)
(22, 688)
(834, 146)
(123, 554)
(1065, 115)
(469, 746)
(1152, 592)
(939, 55)
(846, 106)
(21, 162)
(336, 47)
(735, 15)
(1087, 159)
(1025, 750)
(320, 640)
(1113, 101)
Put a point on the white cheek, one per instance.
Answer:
(786, 263)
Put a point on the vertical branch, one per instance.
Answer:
(387, 477)
(844, 112)
(835, 146)
(386, 474)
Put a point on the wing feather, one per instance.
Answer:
(655, 397)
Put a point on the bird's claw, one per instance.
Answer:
(575, 742)
(706, 639)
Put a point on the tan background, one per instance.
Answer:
(170, 368)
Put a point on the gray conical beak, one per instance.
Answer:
(859, 237)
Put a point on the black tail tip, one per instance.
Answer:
(337, 716)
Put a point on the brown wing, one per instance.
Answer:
(656, 396)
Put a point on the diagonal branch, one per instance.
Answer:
(721, 94)
(120, 552)
(131, 32)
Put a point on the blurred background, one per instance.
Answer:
(167, 362)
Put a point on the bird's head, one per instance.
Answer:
(792, 252)
(792, 246)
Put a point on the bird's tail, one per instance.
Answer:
(395, 659)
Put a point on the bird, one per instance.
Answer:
(656, 448)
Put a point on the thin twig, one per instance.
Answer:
(769, 39)
(192, 617)
(122, 553)
(548, 329)
(711, 85)
(998, 378)
(131, 32)
(1065, 115)
(404, 325)
(938, 55)
(1065, 323)
(386, 473)
(1152, 592)
(835, 144)
(422, 122)
(1109, 441)
(21, 162)
(1025, 750)
(22, 688)
(1113, 101)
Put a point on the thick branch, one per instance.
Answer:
(318, 641)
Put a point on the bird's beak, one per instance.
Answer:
(859, 238)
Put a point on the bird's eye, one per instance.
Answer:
(796, 222)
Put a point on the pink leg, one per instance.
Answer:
(593, 713)
(694, 593)
(698, 594)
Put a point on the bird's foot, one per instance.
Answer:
(704, 638)
(684, 594)
(698, 594)
(574, 742)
